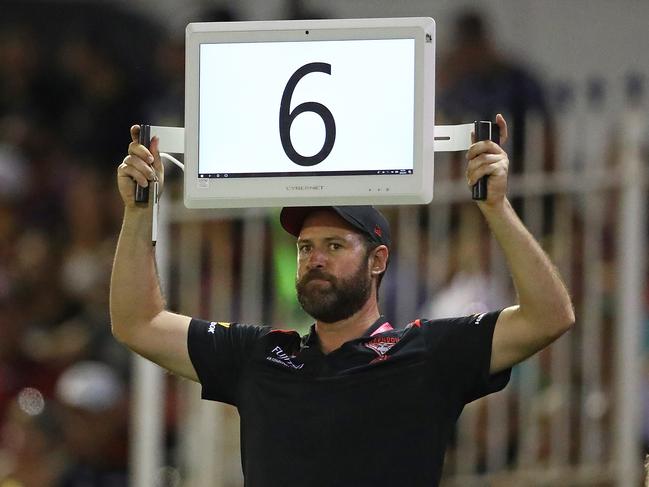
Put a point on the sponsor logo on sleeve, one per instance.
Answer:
(213, 324)
(478, 318)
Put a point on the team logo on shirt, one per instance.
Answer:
(381, 345)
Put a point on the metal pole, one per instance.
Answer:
(146, 422)
(632, 247)
(148, 389)
(594, 403)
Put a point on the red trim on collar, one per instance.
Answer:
(279, 330)
(383, 328)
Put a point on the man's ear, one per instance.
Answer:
(379, 259)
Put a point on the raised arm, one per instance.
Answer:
(544, 310)
(137, 308)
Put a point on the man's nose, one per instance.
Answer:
(317, 259)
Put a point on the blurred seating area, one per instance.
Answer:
(73, 78)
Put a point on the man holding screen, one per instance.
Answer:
(356, 402)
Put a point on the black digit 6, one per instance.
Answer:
(286, 117)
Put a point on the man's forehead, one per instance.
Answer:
(326, 221)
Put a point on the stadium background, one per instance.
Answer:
(75, 407)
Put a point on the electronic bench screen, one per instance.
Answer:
(309, 113)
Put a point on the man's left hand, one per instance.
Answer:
(487, 158)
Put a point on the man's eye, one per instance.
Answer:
(335, 246)
(303, 249)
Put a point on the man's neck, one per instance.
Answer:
(332, 335)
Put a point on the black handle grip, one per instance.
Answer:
(142, 193)
(484, 131)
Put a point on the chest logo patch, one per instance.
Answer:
(278, 356)
(381, 345)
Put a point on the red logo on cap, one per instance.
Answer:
(377, 231)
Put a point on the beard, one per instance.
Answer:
(339, 299)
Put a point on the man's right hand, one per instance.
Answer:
(141, 165)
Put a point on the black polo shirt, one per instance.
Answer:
(380, 410)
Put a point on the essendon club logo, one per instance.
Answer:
(381, 345)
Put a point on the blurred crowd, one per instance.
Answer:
(72, 80)
(67, 98)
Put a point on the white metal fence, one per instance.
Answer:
(571, 414)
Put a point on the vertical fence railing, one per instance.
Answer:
(592, 205)
(565, 419)
(576, 404)
(562, 244)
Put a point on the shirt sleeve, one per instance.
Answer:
(219, 352)
(462, 349)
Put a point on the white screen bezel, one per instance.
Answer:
(314, 190)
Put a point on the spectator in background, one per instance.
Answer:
(474, 81)
(167, 107)
(102, 90)
(17, 367)
(19, 65)
(62, 95)
(470, 287)
(30, 455)
(94, 421)
(296, 10)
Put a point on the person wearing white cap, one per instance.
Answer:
(94, 423)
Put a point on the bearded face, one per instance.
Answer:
(328, 298)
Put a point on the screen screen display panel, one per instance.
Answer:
(335, 108)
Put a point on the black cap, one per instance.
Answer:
(367, 219)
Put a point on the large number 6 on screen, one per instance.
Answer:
(286, 117)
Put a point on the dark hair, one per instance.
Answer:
(470, 27)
